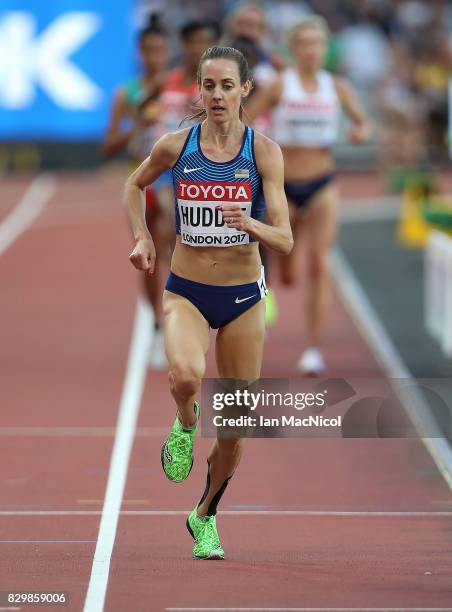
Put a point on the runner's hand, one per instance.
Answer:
(234, 216)
(358, 134)
(143, 255)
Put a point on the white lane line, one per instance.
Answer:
(27, 210)
(125, 429)
(282, 513)
(373, 331)
(47, 541)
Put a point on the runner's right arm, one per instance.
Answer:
(162, 157)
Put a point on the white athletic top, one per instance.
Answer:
(306, 119)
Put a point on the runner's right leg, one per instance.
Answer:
(186, 341)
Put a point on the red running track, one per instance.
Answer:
(369, 521)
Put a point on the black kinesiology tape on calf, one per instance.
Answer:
(212, 509)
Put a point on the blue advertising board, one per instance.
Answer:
(60, 62)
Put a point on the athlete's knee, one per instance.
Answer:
(287, 278)
(185, 378)
(318, 265)
(287, 273)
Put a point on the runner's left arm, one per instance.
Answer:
(361, 129)
(278, 235)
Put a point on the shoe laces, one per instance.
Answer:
(210, 530)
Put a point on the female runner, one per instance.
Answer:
(220, 167)
(306, 102)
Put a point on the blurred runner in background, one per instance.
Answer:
(140, 100)
(306, 103)
(181, 93)
(249, 20)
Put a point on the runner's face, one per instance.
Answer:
(154, 53)
(195, 46)
(221, 91)
(309, 48)
(249, 23)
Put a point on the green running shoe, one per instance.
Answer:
(177, 451)
(203, 529)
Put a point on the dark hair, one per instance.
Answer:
(220, 53)
(197, 26)
(226, 53)
(154, 26)
(248, 47)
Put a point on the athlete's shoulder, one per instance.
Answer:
(265, 145)
(131, 91)
(132, 84)
(289, 70)
(288, 75)
(170, 145)
(266, 151)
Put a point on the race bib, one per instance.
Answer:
(200, 223)
(313, 123)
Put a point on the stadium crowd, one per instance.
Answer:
(396, 53)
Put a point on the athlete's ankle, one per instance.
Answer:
(187, 425)
(202, 511)
(188, 421)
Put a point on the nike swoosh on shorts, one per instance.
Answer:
(238, 301)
